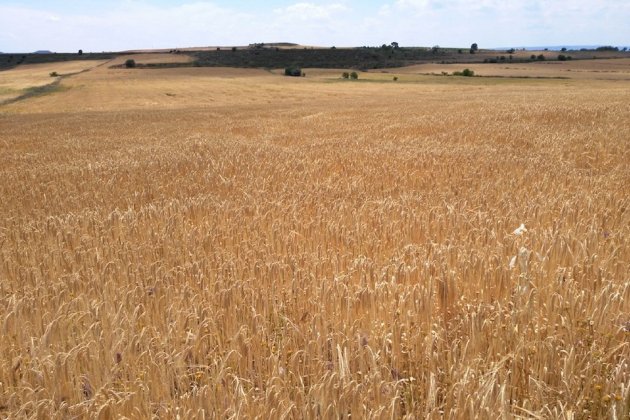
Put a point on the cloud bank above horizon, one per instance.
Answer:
(98, 25)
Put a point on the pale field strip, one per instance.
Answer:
(613, 69)
(15, 81)
(261, 246)
(123, 89)
(152, 58)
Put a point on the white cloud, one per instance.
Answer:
(131, 24)
(494, 23)
(385, 10)
(459, 6)
(309, 11)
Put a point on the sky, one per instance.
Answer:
(117, 25)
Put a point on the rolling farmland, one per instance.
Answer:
(225, 243)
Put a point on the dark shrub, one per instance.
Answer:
(465, 72)
(131, 63)
(293, 71)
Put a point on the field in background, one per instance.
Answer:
(234, 243)
(618, 69)
(152, 59)
(18, 81)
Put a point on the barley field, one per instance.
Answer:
(218, 243)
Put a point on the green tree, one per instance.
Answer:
(354, 75)
(473, 48)
(131, 63)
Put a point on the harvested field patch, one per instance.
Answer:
(612, 69)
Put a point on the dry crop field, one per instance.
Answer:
(13, 83)
(215, 243)
(617, 69)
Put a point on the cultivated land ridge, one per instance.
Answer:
(278, 55)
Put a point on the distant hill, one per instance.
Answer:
(8, 61)
(556, 48)
(277, 44)
(286, 54)
(43, 52)
(362, 58)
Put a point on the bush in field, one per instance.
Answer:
(293, 71)
(465, 72)
(131, 63)
(354, 75)
(54, 74)
(345, 75)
